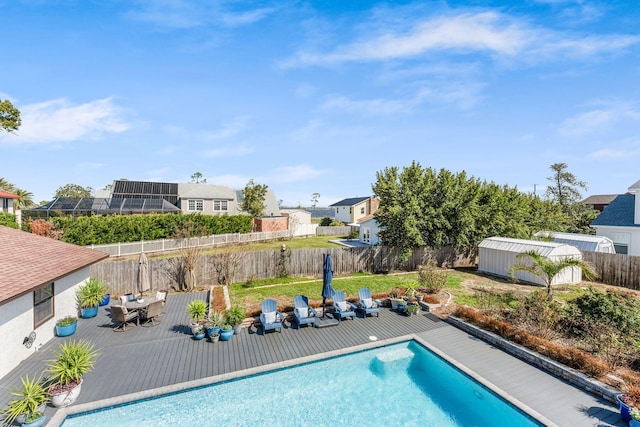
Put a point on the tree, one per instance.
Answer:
(314, 199)
(24, 200)
(547, 269)
(197, 178)
(10, 119)
(253, 196)
(565, 186)
(73, 191)
(565, 190)
(6, 185)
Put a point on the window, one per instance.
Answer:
(196, 205)
(366, 235)
(42, 305)
(621, 249)
(362, 210)
(220, 205)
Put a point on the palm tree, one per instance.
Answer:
(6, 185)
(547, 269)
(24, 200)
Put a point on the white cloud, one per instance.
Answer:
(186, 14)
(367, 107)
(233, 181)
(288, 174)
(492, 33)
(232, 151)
(229, 130)
(608, 115)
(62, 121)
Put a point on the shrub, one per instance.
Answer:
(431, 278)
(235, 315)
(8, 220)
(325, 222)
(539, 314)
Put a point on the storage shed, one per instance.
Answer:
(496, 255)
(584, 242)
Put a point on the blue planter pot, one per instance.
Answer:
(36, 423)
(65, 331)
(625, 410)
(226, 335)
(89, 312)
(211, 331)
(105, 300)
(198, 336)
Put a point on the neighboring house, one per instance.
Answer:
(6, 202)
(369, 230)
(620, 221)
(599, 201)
(584, 242)
(496, 256)
(192, 198)
(38, 282)
(351, 210)
(299, 222)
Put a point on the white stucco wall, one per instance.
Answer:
(16, 320)
(372, 227)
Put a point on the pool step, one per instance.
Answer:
(396, 359)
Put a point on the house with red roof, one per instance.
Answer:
(6, 202)
(39, 277)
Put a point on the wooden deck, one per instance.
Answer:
(147, 358)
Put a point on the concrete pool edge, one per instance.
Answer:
(544, 363)
(62, 413)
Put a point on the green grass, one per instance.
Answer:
(289, 287)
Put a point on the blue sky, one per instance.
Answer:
(318, 96)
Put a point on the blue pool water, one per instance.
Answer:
(401, 384)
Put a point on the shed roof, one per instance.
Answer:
(584, 242)
(351, 201)
(546, 249)
(28, 261)
(619, 213)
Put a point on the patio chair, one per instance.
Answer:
(270, 317)
(367, 304)
(304, 314)
(342, 307)
(151, 313)
(120, 314)
(126, 298)
(162, 295)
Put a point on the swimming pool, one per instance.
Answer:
(399, 384)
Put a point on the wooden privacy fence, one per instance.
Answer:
(615, 269)
(121, 276)
(340, 230)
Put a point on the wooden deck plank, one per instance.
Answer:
(166, 354)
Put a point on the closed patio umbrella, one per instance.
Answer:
(144, 282)
(327, 275)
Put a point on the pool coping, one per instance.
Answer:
(62, 413)
(544, 363)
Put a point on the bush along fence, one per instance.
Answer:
(121, 275)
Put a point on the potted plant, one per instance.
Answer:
(401, 306)
(198, 333)
(635, 418)
(66, 326)
(234, 316)
(214, 323)
(412, 309)
(105, 300)
(226, 333)
(29, 405)
(215, 337)
(394, 297)
(197, 310)
(90, 296)
(73, 360)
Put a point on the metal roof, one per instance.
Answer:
(102, 206)
(546, 249)
(584, 242)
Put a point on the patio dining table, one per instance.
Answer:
(139, 304)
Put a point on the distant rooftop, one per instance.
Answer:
(599, 199)
(102, 206)
(351, 201)
(618, 213)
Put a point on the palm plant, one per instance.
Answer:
(547, 269)
(74, 359)
(29, 398)
(24, 200)
(91, 293)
